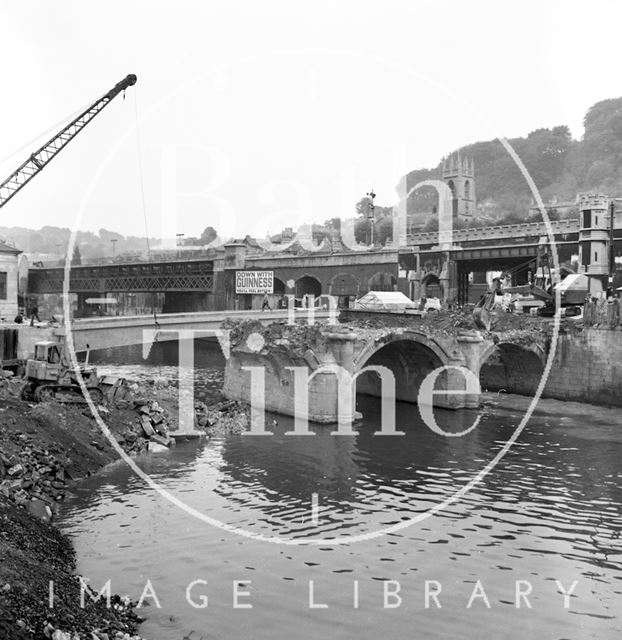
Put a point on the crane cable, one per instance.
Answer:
(140, 173)
(143, 202)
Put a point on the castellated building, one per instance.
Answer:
(421, 201)
(459, 175)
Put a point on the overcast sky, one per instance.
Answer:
(276, 112)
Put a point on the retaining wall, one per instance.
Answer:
(587, 368)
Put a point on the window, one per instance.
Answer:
(585, 253)
(587, 219)
(3, 285)
(595, 256)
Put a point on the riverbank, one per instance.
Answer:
(43, 449)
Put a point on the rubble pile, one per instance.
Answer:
(442, 321)
(296, 338)
(35, 478)
(149, 431)
(35, 472)
(449, 323)
(43, 447)
(9, 384)
(222, 418)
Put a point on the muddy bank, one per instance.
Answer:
(44, 448)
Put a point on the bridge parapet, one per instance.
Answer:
(498, 232)
(121, 331)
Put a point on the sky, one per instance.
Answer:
(249, 116)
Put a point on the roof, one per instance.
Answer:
(374, 300)
(7, 248)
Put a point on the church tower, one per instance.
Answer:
(459, 175)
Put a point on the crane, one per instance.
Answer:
(40, 158)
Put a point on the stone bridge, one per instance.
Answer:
(123, 331)
(347, 355)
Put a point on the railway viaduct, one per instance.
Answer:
(419, 267)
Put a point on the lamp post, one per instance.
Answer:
(370, 216)
(612, 213)
(114, 246)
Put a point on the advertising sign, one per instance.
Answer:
(254, 281)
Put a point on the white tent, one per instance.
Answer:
(384, 301)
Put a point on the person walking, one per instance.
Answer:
(266, 303)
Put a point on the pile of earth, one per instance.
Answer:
(223, 418)
(296, 338)
(46, 447)
(445, 323)
(42, 449)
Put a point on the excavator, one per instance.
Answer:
(573, 288)
(50, 375)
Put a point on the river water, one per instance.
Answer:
(547, 516)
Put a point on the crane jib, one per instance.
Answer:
(38, 160)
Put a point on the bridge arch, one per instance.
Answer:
(411, 356)
(511, 367)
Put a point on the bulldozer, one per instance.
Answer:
(50, 376)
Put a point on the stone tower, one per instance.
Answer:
(459, 176)
(594, 239)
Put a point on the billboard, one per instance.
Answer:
(254, 281)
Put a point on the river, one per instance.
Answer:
(547, 516)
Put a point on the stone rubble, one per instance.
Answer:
(36, 470)
(35, 478)
(222, 418)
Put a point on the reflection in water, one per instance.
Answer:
(550, 511)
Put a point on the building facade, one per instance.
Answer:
(9, 277)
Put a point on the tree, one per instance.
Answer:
(383, 230)
(363, 207)
(77, 257)
(106, 236)
(208, 235)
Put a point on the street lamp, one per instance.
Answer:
(370, 216)
(612, 213)
(179, 237)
